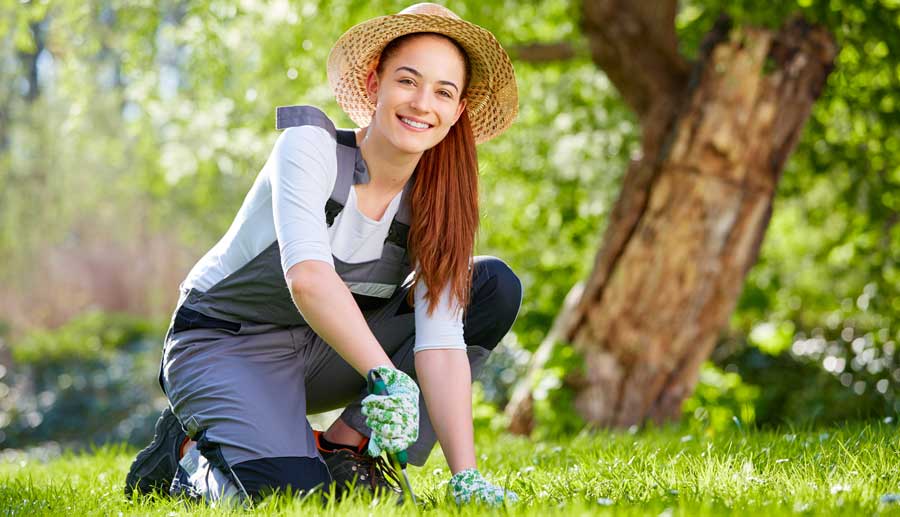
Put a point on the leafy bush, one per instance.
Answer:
(554, 400)
(554, 410)
(720, 400)
(507, 364)
(822, 378)
(94, 335)
(90, 381)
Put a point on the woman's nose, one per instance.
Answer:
(420, 100)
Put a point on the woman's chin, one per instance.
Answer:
(413, 145)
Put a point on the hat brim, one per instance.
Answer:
(491, 96)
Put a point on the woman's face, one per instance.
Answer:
(417, 93)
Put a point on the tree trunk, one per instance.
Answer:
(689, 222)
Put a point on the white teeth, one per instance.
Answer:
(413, 123)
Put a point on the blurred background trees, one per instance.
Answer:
(130, 132)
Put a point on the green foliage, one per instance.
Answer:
(822, 379)
(92, 380)
(554, 402)
(834, 471)
(93, 336)
(486, 416)
(721, 401)
(507, 364)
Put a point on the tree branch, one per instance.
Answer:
(634, 42)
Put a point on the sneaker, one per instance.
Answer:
(352, 467)
(154, 467)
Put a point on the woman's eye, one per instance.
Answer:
(445, 93)
(406, 81)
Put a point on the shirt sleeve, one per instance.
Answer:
(303, 171)
(443, 329)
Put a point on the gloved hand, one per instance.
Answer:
(468, 485)
(393, 418)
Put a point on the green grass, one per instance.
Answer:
(837, 471)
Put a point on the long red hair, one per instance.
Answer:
(444, 205)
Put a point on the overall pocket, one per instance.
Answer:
(188, 319)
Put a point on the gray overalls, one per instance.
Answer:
(242, 370)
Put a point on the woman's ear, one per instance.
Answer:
(459, 110)
(372, 86)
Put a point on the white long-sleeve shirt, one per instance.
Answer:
(287, 202)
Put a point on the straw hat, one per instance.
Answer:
(492, 97)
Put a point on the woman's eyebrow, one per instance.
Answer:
(419, 75)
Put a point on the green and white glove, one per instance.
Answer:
(393, 418)
(469, 485)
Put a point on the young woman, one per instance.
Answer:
(351, 255)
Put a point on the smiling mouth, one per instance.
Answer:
(415, 124)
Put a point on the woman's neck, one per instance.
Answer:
(388, 169)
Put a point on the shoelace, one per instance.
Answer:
(379, 469)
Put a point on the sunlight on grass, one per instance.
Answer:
(849, 470)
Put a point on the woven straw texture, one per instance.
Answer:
(492, 96)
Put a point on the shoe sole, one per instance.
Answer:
(150, 471)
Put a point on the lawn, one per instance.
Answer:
(837, 471)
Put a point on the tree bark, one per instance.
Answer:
(692, 212)
(30, 60)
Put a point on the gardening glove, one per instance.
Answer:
(468, 485)
(393, 418)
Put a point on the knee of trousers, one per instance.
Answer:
(497, 291)
(266, 475)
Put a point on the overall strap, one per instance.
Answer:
(346, 169)
(398, 233)
(295, 116)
